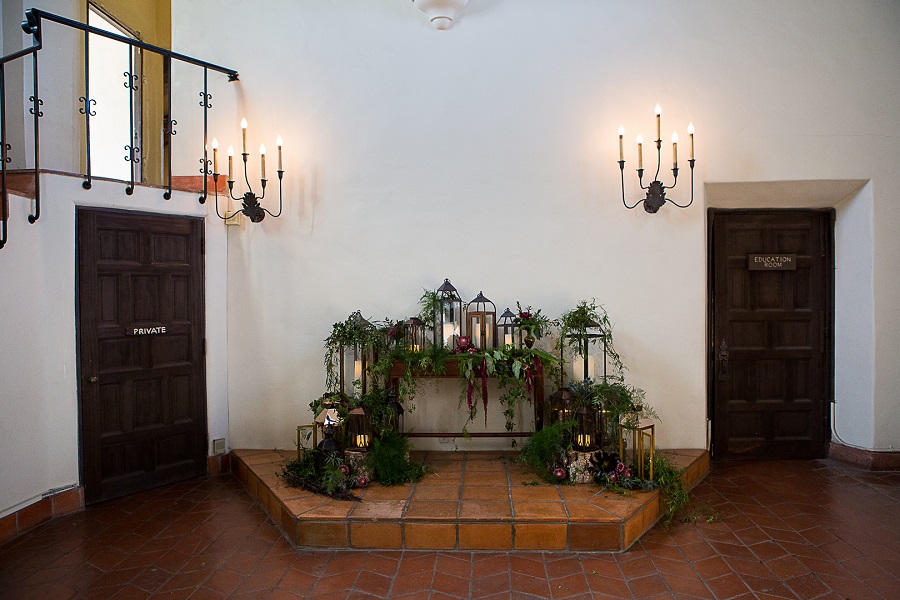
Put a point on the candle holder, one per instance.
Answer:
(250, 202)
(656, 190)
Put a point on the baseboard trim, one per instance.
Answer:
(864, 459)
(218, 464)
(56, 505)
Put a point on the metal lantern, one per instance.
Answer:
(561, 405)
(448, 320)
(508, 332)
(396, 411)
(414, 334)
(328, 417)
(585, 359)
(355, 360)
(328, 443)
(586, 435)
(481, 322)
(359, 430)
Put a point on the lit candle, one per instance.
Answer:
(230, 163)
(507, 339)
(578, 367)
(244, 134)
(674, 149)
(658, 113)
(357, 369)
(262, 160)
(640, 141)
(448, 334)
(621, 150)
(215, 156)
(691, 133)
(279, 142)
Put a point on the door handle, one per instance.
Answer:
(94, 379)
(723, 360)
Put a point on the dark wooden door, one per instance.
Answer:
(141, 337)
(771, 337)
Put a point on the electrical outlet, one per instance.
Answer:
(219, 446)
(444, 440)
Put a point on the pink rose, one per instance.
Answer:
(362, 481)
(627, 473)
(620, 467)
(560, 473)
(344, 469)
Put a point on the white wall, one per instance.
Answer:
(38, 353)
(38, 358)
(486, 154)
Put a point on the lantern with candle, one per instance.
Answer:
(481, 322)
(250, 202)
(561, 408)
(414, 334)
(586, 434)
(359, 429)
(508, 332)
(448, 316)
(356, 354)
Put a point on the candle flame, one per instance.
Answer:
(243, 123)
(640, 139)
(262, 148)
(674, 137)
(230, 150)
(658, 109)
(691, 128)
(215, 144)
(279, 142)
(621, 130)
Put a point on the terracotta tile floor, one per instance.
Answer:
(793, 529)
(467, 501)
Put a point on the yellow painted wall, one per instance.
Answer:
(151, 22)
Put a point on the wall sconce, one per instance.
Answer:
(656, 191)
(441, 12)
(250, 206)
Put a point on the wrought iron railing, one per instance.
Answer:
(33, 25)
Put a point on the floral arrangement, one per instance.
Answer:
(531, 321)
(613, 474)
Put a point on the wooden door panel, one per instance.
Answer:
(769, 388)
(141, 328)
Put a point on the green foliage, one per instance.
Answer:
(574, 327)
(321, 473)
(546, 449)
(515, 370)
(388, 460)
(671, 486)
(532, 321)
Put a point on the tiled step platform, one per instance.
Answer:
(468, 501)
